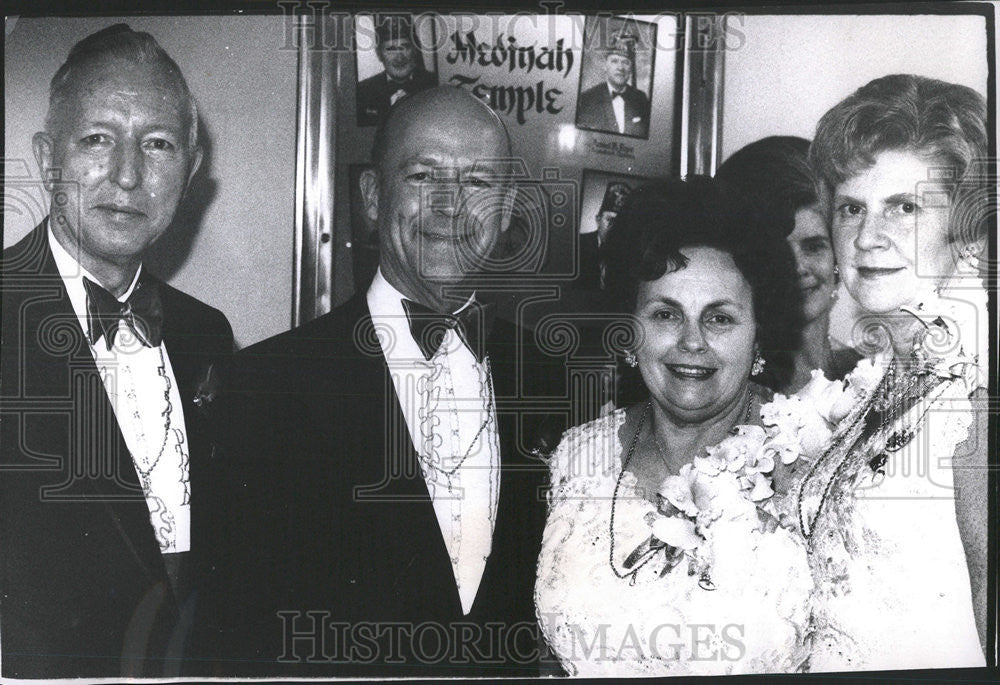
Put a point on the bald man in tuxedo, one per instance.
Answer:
(383, 469)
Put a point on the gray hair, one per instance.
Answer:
(116, 42)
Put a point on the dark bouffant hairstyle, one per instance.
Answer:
(775, 171)
(660, 219)
(934, 118)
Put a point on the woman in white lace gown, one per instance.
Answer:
(895, 511)
(655, 558)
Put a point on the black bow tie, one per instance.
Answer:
(618, 94)
(142, 312)
(428, 327)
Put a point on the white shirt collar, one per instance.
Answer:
(385, 303)
(385, 300)
(73, 273)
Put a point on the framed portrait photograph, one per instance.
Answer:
(616, 76)
(394, 58)
(602, 196)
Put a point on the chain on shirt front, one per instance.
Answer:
(143, 392)
(450, 413)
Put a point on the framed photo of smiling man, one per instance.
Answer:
(391, 62)
(616, 77)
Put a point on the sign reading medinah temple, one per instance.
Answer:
(505, 53)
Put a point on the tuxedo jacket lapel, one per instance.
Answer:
(191, 348)
(610, 123)
(189, 364)
(373, 410)
(93, 429)
(636, 112)
(409, 522)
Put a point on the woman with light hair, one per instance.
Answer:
(895, 508)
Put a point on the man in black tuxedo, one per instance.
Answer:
(102, 447)
(616, 106)
(398, 49)
(384, 508)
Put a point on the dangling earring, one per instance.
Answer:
(758, 363)
(630, 359)
(836, 273)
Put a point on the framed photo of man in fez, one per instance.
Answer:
(392, 62)
(616, 77)
(603, 196)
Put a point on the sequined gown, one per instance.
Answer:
(892, 584)
(755, 621)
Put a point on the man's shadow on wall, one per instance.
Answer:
(171, 251)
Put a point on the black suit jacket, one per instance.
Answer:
(326, 511)
(594, 111)
(85, 592)
(373, 94)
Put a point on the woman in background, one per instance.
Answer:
(776, 171)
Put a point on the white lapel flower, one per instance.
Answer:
(677, 532)
(829, 399)
(865, 377)
(679, 491)
(761, 487)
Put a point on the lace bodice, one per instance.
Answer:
(892, 582)
(599, 624)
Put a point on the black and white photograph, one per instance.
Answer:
(602, 196)
(641, 343)
(364, 241)
(392, 62)
(616, 77)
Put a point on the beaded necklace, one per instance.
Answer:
(432, 461)
(448, 473)
(141, 460)
(887, 401)
(614, 497)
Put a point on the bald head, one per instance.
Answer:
(445, 107)
(439, 193)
